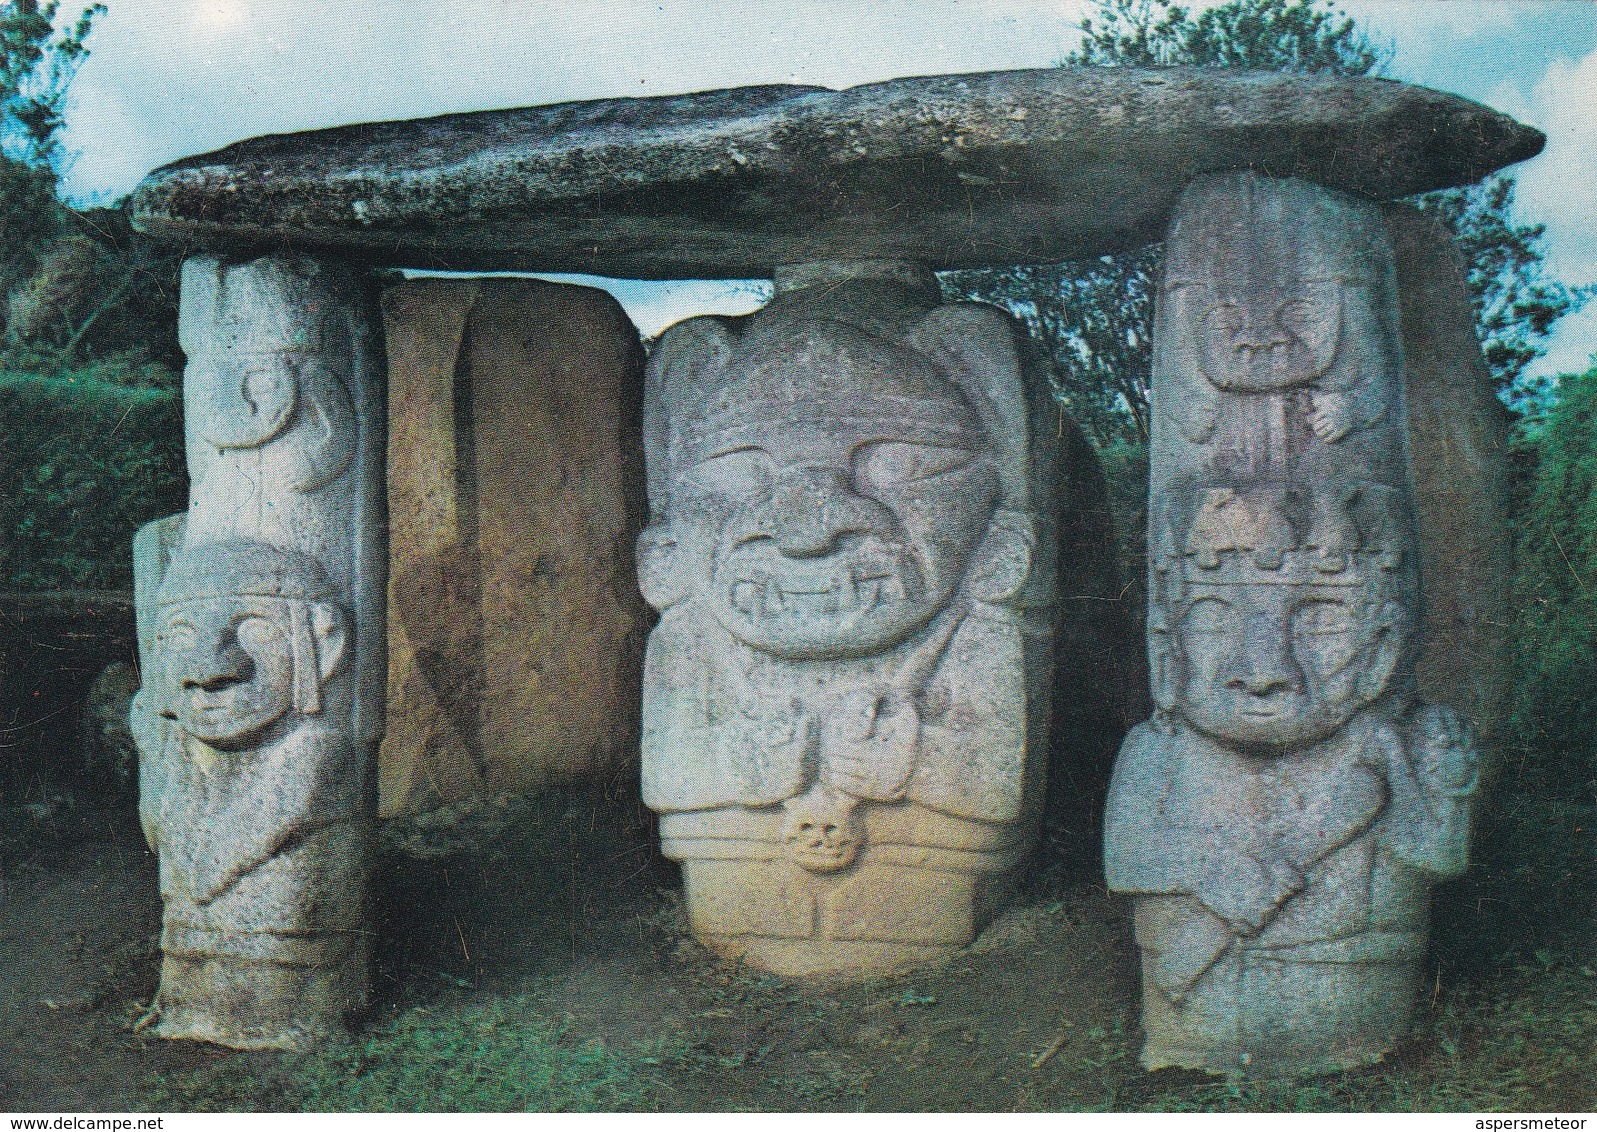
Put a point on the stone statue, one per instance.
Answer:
(1279, 334)
(1281, 819)
(853, 631)
(261, 635)
(251, 794)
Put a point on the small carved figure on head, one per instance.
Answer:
(1276, 292)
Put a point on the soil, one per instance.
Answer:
(561, 902)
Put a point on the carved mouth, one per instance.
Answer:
(1277, 350)
(848, 593)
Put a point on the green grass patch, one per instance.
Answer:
(499, 1056)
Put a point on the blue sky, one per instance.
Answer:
(169, 78)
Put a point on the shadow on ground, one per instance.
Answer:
(533, 954)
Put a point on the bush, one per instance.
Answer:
(88, 457)
(1556, 622)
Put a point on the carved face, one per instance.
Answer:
(1267, 338)
(228, 667)
(1282, 665)
(839, 534)
(243, 399)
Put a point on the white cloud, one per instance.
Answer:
(1562, 182)
(1559, 188)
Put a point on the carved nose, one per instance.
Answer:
(1264, 664)
(816, 506)
(228, 664)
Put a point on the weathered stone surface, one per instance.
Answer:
(952, 170)
(516, 494)
(1281, 819)
(1458, 435)
(261, 621)
(105, 737)
(434, 627)
(846, 700)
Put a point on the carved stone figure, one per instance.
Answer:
(1278, 337)
(261, 633)
(1281, 819)
(852, 651)
(253, 797)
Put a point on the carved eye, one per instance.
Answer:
(741, 473)
(177, 634)
(1299, 316)
(889, 463)
(1230, 317)
(257, 634)
(1322, 616)
(263, 387)
(1208, 616)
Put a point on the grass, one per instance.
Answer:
(498, 1056)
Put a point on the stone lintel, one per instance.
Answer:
(953, 171)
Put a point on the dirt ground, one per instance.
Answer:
(559, 909)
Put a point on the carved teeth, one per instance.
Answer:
(848, 594)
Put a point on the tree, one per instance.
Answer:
(37, 63)
(1555, 598)
(1095, 318)
(73, 284)
(1516, 303)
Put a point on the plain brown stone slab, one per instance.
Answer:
(433, 624)
(515, 490)
(1458, 439)
(951, 170)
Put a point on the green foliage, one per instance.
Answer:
(1278, 35)
(98, 291)
(1516, 303)
(74, 285)
(88, 461)
(1556, 626)
(499, 1056)
(31, 220)
(1094, 320)
(1095, 317)
(37, 62)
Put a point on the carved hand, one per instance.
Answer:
(771, 728)
(1446, 762)
(1332, 416)
(868, 748)
(1245, 891)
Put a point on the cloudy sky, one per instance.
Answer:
(169, 78)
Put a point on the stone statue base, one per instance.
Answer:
(234, 1002)
(921, 889)
(1265, 1011)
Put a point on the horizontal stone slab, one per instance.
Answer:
(954, 171)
